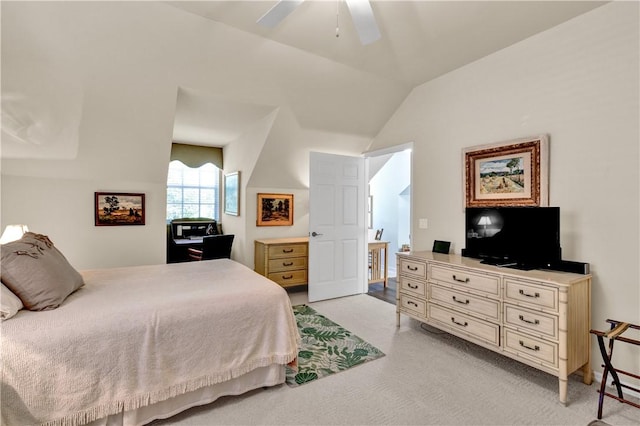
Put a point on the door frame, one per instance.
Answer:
(386, 151)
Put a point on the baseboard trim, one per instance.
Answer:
(597, 376)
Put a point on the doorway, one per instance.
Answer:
(389, 184)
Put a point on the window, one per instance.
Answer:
(193, 192)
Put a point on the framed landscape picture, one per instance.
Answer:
(119, 208)
(232, 193)
(513, 173)
(275, 210)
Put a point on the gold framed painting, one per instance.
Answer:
(513, 173)
(119, 208)
(275, 210)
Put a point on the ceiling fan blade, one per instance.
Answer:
(364, 20)
(278, 12)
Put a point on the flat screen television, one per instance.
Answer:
(517, 237)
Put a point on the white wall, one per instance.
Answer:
(578, 83)
(115, 68)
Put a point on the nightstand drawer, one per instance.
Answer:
(474, 327)
(472, 304)
(534, 294)
(536, 322)
(287, 264)
(413, 285)
(289, 278)
(531, 347)
(288, 250)
(413, 268)
(459, 277)
(414, 305)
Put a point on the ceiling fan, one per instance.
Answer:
(360, 10)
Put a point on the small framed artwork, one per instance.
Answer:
(232, 194)
(119, 208)
(514, 173)
(275, 210)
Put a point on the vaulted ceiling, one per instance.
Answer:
(230, 72)
(420, 41)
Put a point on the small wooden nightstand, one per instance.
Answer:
(283, 260)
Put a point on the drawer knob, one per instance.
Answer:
(463, 302)
(287, 277)
(453, 320)
(535, 322)
(415, 268)
(532, 348)
(466, 280)
(287, 263)
(412, 286)
(287, 250)
(534, 295)
(409, 302)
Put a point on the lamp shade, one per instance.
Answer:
(484, 220)
(13, 233)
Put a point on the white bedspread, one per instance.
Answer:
(138, 335)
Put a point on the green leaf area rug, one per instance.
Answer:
(326, 348)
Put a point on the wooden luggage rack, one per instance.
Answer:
(614, 334)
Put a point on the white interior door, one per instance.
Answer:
(337, 228)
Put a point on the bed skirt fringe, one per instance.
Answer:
(143, 400)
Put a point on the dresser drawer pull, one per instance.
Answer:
(287, 250)
(287, 277)
(287, 263)
(453, 320)
(535, 348)
(415, 268)
(412, 286)
(465, 302)
(535, 295)
(535, 322)
(466, 280)
(409, 302)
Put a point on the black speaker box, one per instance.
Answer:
(569, 266)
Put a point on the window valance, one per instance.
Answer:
(195, 155)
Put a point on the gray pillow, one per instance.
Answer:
(35, 271)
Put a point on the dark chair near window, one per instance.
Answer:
(213, 247)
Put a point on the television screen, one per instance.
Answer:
(520, 237)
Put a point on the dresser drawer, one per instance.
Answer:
(287, 250)
(412, 285)
(289, 278)
(413, 305)
(413, 268)
(466, 302)
(531, 293)
(287, 264)
(482, 330)
(531, 347)
(537, 322)
(486, 283)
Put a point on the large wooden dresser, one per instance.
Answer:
(538, 317)
(283, 260)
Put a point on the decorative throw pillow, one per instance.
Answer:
(35, 271)
(10, 304)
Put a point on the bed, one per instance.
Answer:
(139, 343)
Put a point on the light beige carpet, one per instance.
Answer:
(426, 378)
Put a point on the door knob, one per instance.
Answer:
(315, 234)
